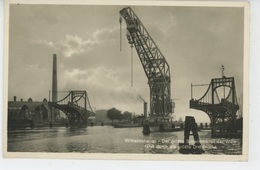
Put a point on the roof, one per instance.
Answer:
(30, 104)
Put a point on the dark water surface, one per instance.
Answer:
(107, 139)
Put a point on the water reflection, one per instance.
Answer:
(107, 139)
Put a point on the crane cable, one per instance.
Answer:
(120, 21)
(132, 65)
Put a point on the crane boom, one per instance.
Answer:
(154, 64)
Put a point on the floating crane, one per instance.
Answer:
(154, 64)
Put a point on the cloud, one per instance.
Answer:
(105, 86)
(103, 35)
(73, 45)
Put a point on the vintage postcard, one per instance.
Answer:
(143, 80)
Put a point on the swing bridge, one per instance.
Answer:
(220, 103)
(76, 106)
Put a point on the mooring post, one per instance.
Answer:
(186, 148)
(212, 127)
(146, 128)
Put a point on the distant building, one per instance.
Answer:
(23, 112)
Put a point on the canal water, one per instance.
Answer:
(108, 139)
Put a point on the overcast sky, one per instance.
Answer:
(195, 41)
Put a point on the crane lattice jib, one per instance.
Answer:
(154, 64)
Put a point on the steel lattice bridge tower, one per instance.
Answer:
(154, 64)
(221, 111)
(76, 106)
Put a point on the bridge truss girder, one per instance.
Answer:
(222, 113)
(74, 105)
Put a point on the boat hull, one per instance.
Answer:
(126, 125)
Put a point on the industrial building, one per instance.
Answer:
(28, 113)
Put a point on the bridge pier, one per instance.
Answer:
(223, 126)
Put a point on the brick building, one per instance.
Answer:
(23, 113)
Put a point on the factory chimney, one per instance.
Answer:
(145, 109)
(54, 79)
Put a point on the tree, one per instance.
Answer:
(114, 114)
(127, 115)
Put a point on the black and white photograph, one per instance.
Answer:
(127, 80)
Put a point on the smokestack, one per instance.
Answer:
(14, 98)
(145, 109)
(54, 79)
